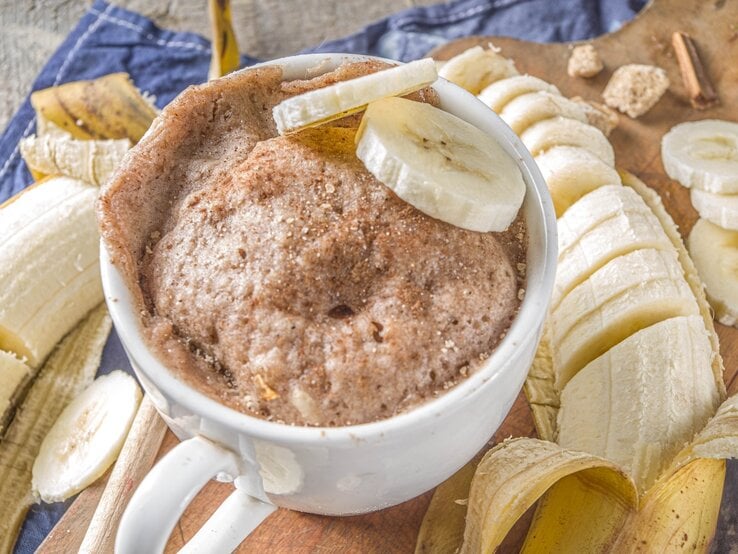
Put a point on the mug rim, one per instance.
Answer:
(531, 312)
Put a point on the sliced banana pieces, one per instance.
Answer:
(715, 253)
(720, 209)
(498, 94)
(49, 270)
(571, 172)
(442, 165)
(703, 154)
(476, 68)
(563, 131)
(86, 438)
(346, 97)
(527, 109)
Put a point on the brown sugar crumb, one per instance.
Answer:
(603, 117)
(584, 62)
(634, 89)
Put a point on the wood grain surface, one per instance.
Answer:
(637, 144)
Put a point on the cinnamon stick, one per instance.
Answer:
(701, 93)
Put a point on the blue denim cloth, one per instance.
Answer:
(163, 63)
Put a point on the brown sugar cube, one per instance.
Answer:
(599, 115)
(634, 89)
(584, 61)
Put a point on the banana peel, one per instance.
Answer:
(110, 107)
(594, 507)
(69, 369)
(225, 56)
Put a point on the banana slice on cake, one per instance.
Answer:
(527, 109)
(703, 154)
(87, 437)
(49, 269)
(650, 414)
(720, 209)
(571, 172)
(476, 68)
(346, 97)
(563, 131)
(715, 254)
(442, 165)
(500, 93)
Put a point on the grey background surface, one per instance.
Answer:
(33, 29)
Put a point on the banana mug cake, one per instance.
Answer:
(293, 277)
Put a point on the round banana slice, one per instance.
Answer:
(715, 254)
(562, 131)
(703, 154)
(498, 94)
(720, 209)
(527, 109)
(476, 68)
(87, 437)
(442, 165)
(571, 172)
(346, 97)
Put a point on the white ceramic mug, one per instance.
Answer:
(341, 470)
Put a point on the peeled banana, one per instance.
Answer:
(69, 369)
(442, 165)
(346, 97)
(49, 267)
(477, 68)
(525, 110)
(571, 172)
(563, 131)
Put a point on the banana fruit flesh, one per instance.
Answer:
(720, 209)
(69, 369)
(628, 371)
(48, 265)
(651, 414)
(703, 155)
(477, 68)
(442, 165)
(571, 172)
(86, 438)
(345, 97)
(499, 93)
(527, 109)
(715, 253)
(563, 131)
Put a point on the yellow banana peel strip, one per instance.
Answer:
(110, 107)
(69, 369)
(225, 56)
(92, 161)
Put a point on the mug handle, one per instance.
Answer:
(170, 486)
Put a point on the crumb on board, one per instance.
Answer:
(604, 118)
(584, 61)
(634, 89)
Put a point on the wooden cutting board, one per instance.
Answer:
(647, 39)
